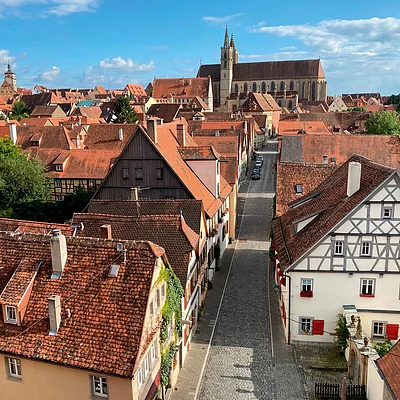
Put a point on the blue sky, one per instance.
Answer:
(81, 43)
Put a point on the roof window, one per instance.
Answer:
(299, 189)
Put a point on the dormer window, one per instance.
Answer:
(11, 314)
(59, 167)
(299, 189)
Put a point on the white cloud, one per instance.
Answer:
(50, 75)
(5, 58)
(221, 20)
(360, 49)
(126, 65)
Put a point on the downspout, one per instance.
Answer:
(289, 303)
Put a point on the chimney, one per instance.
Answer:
(120, 134)
(152, 129)
(58, 253)
(105, 232)
(353, 177)
(134, 194)
(181, 135)
(54, 314)
(13, 133)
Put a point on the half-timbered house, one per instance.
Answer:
(339, 247)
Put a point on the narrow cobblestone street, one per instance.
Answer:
(248, 357)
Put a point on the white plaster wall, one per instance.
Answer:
(375, 383)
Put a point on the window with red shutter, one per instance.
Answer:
(392, 331)
(318, 327)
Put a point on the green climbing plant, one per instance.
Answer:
(167, 358)
(342, 333)
(383, 348)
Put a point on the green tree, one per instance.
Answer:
(394, 99)
(383, 123)
(21, 180)
(124, 111)
(341, 332)
(19, 111)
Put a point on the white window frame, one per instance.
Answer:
(14, 368)
(306, 282)
(101, 380)
(303, 322)
(146, 364)
(11, 314)
(378, 324)
(151, 308)
(163, 290)
(299, 188)
(153, 352)
(158, 298)
(388, 208)
(335, 249)
(57, 182)
(367, 282)
(366, 249)
(140, 377)
(59, 167)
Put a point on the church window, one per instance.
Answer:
(313, 94)
(282, 87)
(263, 87)
(279, 103)
(254, 87)
(291, 85)
(236, 88)
(303, 91)
(290, 104)
(273, 86)
(225, 64)
(245, 88)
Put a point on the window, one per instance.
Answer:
(146, 364)
(11, 314)
(307, 285)
(151, 309)
(91, 183)
(338, 248)
(139, 173)
(263, 87)
(378, 329)
(59, 198)
(158, 300)
(125, 173)
(245, 88)
(14, 368)
(159, 173)
(163, 290)
(59, 167)
(366, 248)
(57, 182)
(299, 189)
(254, 87)
(153, 352)
(305, 325)
(140, 377)
(387, 212)
(291, 85)
(100, 386)
(367, 287)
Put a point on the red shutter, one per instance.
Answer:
(318, 327)
(392, 331)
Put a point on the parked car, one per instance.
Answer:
(260, 158)
(259, 164)
(256, 175)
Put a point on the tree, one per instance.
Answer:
(394, 99)
(124, 111)
(19, 111)
(383, 123)
(21, 180)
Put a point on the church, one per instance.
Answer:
(300, 80)
(9, 85)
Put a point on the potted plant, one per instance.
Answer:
(306, 293)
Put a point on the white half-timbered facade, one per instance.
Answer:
(340, 246)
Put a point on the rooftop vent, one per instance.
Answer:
(58, 253)
(113, 271)
(353, 178)
(54, 314)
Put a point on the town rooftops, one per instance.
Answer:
(165, 111)
(181, 87)
(199, 153)
(329, 203)
(45, 137)
(44, 228)
(102, 318)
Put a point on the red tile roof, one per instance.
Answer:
(168, 231)
(44, 228)
(136, 90)
(181, 87)
(289, 127)
(389, 365)
(106, 136)
(198, 153)
(51, 137)
(329, 200)
(102, 318)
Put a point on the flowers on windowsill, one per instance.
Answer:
(174, 363)
(305, 332)
(306, 293)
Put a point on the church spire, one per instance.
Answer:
(226, 40)
(232, 44)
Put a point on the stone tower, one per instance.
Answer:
(229, 57)
(10, 79)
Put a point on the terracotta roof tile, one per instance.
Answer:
(102, 318)
(180, 87)
(199, 153)
(50, 137)
(389, 365)
(289, 127)
(167, 112)
(106, 136)
(44, 228)
(136, 90)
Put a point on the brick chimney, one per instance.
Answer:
(105, 231)
(353, 177)
(58, 253)
(152, 129)
(134, 194)
(181, 135)
(54, 314)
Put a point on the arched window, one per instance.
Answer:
(263, 88)
(282, 86)
(313, 93)
(225, 64)
(236, 88)
(303, 91)
(254, 87)
(273, 87)
(279, 103)
(291, 85)
(290, 104)
(245, 87)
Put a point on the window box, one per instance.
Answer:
(306, 293)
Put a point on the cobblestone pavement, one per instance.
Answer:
(247, 360)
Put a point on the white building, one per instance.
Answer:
(340, 246)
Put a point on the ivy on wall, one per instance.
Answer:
(167, 357)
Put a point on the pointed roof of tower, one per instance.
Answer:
(226, 40)
(8, 70)
(232, 44)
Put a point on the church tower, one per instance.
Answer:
(10, 79)
(229, 57)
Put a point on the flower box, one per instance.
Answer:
(306, 293)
